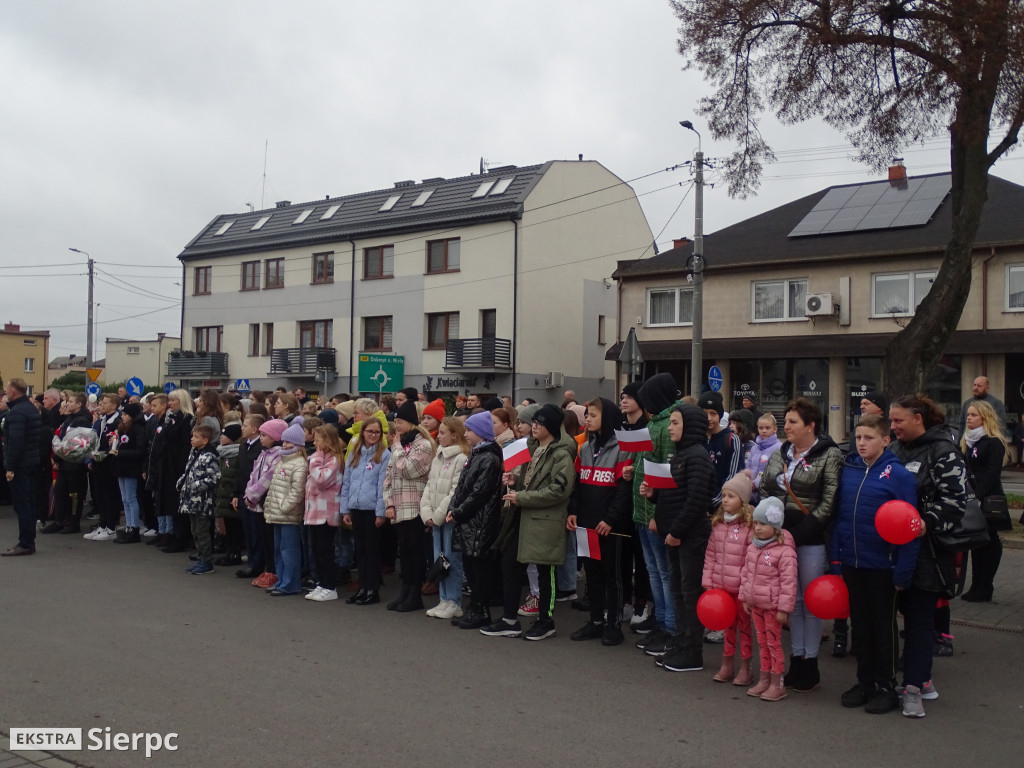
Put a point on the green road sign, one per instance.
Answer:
(381, 373)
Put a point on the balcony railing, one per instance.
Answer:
(480, 354)
(301, 360)
(187, 363)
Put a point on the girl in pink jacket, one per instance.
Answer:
(726, 554)
(768, 591)
(323, 508)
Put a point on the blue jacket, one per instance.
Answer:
(862, 490)
(363, 487)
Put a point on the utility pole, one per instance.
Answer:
(697, 345)
(88, 340)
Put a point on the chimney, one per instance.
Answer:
(897, 171)
(681, 241)
(11, 328)
(282, 203)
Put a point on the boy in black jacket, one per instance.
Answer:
(253, 523)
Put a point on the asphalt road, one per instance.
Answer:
(97, 635)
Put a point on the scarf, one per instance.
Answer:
(762, 543)
(289, 451)
(972, 436)
(730, 518)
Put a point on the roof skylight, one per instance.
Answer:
(303, 216)
(330, 212)
(224, 228)
(423, 197)
(390, 203)
(502, 186)
(482, 190)
(259, 224)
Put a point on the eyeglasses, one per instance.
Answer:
(372, 432)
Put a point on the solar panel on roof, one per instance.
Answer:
(835, 199)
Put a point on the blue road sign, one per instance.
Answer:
(134, 386)
(715, 378)
(169, 387)
(92, 388)
(242, 385)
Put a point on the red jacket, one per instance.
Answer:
(726, 556)
(769, 576)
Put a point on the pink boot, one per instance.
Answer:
(743, 676)
(776, 690)
(724, 674)
(764, 681)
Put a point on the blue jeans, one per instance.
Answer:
(450, 587)
(565, 574)
(804, 627)
(130, 500)
(288, 556)
(656, 557)
(344, 549)
(165, 524)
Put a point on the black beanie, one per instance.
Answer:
(633, 390)
(711, 401)
(410, 393)
(232, 431)
(550, 417)
(407, 412)
(132, 409)
(493, 404)
(878, 399)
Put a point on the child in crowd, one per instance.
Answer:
(227, 453)
(731, 534)
(249, 450)
(198, 488)
(766, 443)
(256, 493)
(445, 471)
(768, 592)
(284, 507)
(128, 452)
(362, 502)
(309, 426)
(323, 486)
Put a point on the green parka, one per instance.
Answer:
(543, 505)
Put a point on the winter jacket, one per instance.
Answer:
(600, 493)
(323, 489)
(260, 478)
(22, 427)
(72, 421)
(445, 471)
(363, 486)
(726, 452)
(769, 579)
(815, 483)
(862, 490)
(542, 504)
(406, 477)
(247, 455)
(228, 457)
(984, 462)
(758, 459)
(197, 486)
(726, 555)
(476, 501)
(683, 510)
(941, 499)
(131, 450)
(167, 459)
(285, 502)
(659, 395)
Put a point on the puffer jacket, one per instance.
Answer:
(406, 477)
(542, 505)
(683, 510)
(228, 457)
(323, 490)
(815, 482)
(659, 395)
(445, 471)
(363, 486)
(22, 426)
(260, 477)
(725, 556)
(285, 501)
(601, 494)
(197, 487)
(769, 579)
(863, 489)
(476, 501)
(942, 491)
(131, 450)
(760, 452)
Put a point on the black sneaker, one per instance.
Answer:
(656, 637)
(502, 628)
(646, 626)
(612, 635)
(881, 701)
(589, 631)
(839, 646)
(565, 595)
(581, 604)
(541, 630)
(857, 696)
(682, 661)
(663, 648)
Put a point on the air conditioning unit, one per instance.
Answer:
(554, 380)
(819, 304)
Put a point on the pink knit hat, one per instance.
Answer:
(274, 428)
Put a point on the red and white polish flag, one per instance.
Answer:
(634, 440)
(658, 475)
(515, 454)
(587, 543)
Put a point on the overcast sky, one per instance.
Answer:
(125, 127)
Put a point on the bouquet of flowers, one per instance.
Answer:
(77, 446)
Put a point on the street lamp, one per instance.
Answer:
(697, 344)
(89, 330)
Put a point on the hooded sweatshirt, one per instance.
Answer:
(601, 494)
(683, 510)
(659, 395)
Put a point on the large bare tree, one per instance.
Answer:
(889, 74)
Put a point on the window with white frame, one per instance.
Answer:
(775, 300)
(133, 350)
(1015, 287)
(30, 365)
(669, 306)
(899, 294)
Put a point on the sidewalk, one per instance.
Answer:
(10, 759)
(1006, 611)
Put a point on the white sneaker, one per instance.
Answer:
(432, 612)
(448, 609)
(104, 534)
(149, 533)
(311, 595)
(928, 691)
(456, 609)
(640, 618)
(321, 595)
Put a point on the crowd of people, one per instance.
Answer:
(307, 497)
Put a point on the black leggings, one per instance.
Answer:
(480, 573)
(410, 550)
(367, 539)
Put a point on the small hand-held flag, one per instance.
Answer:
(658, 475)
(515, 454)
(588, 544)
(634, 440)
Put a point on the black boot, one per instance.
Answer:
(412, 602)
(403, 595)
(809, 679)
(478, 616)
(796, 664)
(468, 616)
(372, 597)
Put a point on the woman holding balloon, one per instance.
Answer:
(876, 558)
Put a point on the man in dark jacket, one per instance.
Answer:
(21, 428)
(51, 419)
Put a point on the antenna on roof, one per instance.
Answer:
(263, 191)
(484, 165)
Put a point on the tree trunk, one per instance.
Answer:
(912, 354)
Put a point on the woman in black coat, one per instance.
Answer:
(984, 450)
(128, 451)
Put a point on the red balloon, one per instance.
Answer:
(827, 598)
(716, 609)
(898, 522)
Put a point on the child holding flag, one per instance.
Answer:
(601, 502)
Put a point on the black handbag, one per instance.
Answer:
(439, 571)
(997, 513)
(970, 531)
